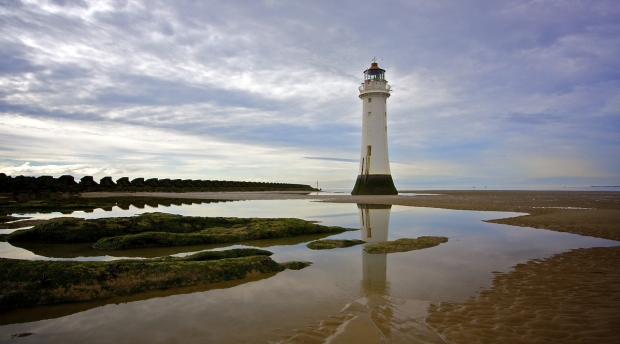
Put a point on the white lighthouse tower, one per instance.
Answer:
(374, 177)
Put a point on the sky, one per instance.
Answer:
(484, 93)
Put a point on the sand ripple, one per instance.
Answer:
(568, 298)
(373, 319)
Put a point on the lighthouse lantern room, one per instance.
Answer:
(374, 177)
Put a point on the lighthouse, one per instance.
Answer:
(374, 176)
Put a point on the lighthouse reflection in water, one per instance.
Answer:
(374, 224)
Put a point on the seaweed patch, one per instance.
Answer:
(328, 244)
(28, 283)
(165, 230)
(405, 244)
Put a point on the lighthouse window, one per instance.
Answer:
(369, 112)
(369, 100)
(369, 150)
(374, 74)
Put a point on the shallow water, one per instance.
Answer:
(343, 288)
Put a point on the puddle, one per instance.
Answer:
(389, 290)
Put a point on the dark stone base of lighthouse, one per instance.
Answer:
(374, 184)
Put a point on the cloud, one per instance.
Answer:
(101, 149)
(78, 169)
(331, 159)
(146, 81)
(534, 118)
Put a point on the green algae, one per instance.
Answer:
(21, 224)
(28, 283)
(165, 230)
(296, 265)
(5, 218)
(405, 244)
(215, 255)
(77, 230)
(216, 235)
(86, 249)
(328, 244)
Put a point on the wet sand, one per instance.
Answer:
(373, 319)
(570, 297)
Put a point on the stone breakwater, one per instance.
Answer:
(67, 184)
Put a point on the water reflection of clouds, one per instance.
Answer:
(293, 299)
(254, 208)
(332, 215)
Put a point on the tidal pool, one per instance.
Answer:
(391, 291)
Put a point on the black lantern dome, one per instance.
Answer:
(374, 73)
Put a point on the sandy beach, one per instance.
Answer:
(570, 297)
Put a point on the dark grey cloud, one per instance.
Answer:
(70, 3)
(146, 90)
(11, 4)
(11, 64)
(535, 118)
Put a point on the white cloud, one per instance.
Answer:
(56, 170)
(104, 148)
